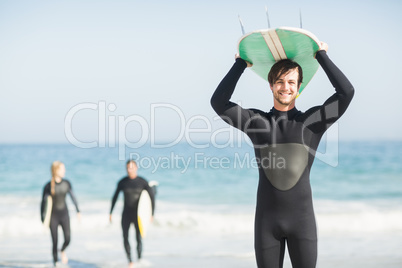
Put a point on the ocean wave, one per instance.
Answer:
(21, 217)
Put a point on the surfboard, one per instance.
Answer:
(263, 48)
(144, 212)
(48, 211)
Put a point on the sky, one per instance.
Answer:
(101, 72)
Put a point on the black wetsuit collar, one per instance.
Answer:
(291, 113)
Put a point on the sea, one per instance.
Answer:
(205, 204)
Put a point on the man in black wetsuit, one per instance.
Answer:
(132, 186)
(285, 141)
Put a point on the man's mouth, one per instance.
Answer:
(285, 94)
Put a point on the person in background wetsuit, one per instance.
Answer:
(132, 185)
(285, 141)
(57, 188)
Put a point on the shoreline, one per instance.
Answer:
(350, 234)
(197, 250)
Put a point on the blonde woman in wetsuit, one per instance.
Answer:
(57, 188)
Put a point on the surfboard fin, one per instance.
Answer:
(301, 21)
(266, 13)
(153, 183)
(241, 25)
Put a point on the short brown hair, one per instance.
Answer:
(283, 67)
(131, 162)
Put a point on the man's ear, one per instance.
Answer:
(270, 86)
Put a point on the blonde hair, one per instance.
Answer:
(55, 166)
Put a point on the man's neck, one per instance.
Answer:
(283, 108)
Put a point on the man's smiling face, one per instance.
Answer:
(285, 90)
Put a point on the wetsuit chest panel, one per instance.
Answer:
(132, 189)
(59, 199)
(283, 164)
(132, 196)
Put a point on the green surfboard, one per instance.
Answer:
(263, 48)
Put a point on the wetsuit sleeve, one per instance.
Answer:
(152, 195)
(45, 194)
(115, 196)
(230, 112)
(71, 193)
(322, 117)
